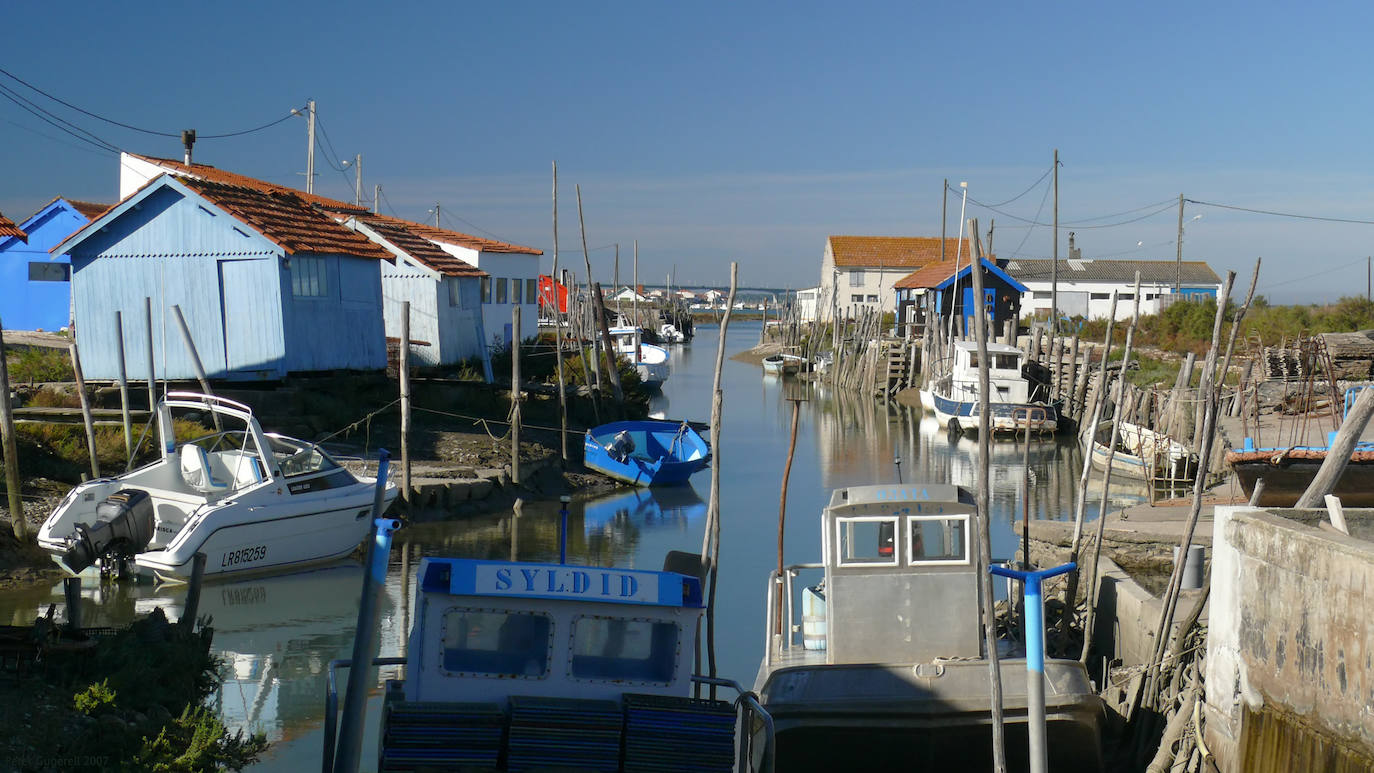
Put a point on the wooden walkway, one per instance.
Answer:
(106, 417)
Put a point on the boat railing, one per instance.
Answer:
(331, 704)
(779, 641)
(747, 709)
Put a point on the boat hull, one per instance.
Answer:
(665, 453)
(1005, 417)
(1287, 479)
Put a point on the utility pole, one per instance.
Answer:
(310, 147)
(358, 180)
(1054, 263)
(436, 215)
(992, 226)
(1178, 260)
(944, 218)
(1368, 276)
(377, 199)
(634, 299)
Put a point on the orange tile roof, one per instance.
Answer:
(466, 240)
(8, 228)
(891, 251)
(927, 276)
(90, 209)
(402, 234)
(286, 219)
(216, 175)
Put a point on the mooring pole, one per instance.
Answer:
(12, 484)
(563, 528)
(192, 608)
(1035, 658)
(515, 395)
(403, 380)
(152, 367)
(124, 388)
(85, 410)
(362, 672)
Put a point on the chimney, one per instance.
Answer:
(1074, 252)
(188, 138)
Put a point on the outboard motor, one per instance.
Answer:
(123, 526)
(622, 446)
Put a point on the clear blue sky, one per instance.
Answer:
(716, 132)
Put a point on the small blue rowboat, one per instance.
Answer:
(646, 453)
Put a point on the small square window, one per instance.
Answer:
(937, 540)
(856, 279)
(866, 541)
(620, 649)
(856, 299)
(872, 299)
(496, 642)
(309, 277)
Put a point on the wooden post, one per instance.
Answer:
(403, 377)
(1072, 385)
(1324, 482)
(582, 226)
(1099, 398)
(191, 349)
(124, 388)
(12, 483)
(782, 507)
(612, 365)
(980, 326)
(710, 545)
(515, 395)
(188, 613)
(85, 410)
(558, 331)
(152, 369)
(71, 589)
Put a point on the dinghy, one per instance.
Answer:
(646, 453)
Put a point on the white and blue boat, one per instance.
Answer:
(646, 453)
(1015, 400)
(651, 362)
(518, 666)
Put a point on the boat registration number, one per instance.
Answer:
(244, 556)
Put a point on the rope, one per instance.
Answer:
(478, 420)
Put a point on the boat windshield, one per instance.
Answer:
(866, 541)
(938, 540)
(612, 648)
(297, 458)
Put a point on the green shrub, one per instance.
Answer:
(95, 699)
(197, 741)
(36, 364)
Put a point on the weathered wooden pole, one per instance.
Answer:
(191, 350)
(187, 622)
(152, 368)
(85, 409)
(782, 504)
(710, 549)
(558, 334)
(612, 364)
(124, 388)
(12, 483)
(515, 395)
(586, 256)
(980, 326)
(403, 377)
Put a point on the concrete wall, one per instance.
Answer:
(1291, 635)
(1073, 295)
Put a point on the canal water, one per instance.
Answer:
(276, 635)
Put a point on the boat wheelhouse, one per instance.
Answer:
(521, 666)
(248, 500)
(889, 671)
(1015, 402)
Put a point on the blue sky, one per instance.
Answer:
(714, 132)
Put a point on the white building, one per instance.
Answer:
(1085, 286)
(807, 303)
(857, 272)
(628, 295)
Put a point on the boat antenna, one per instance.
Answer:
(563, 528)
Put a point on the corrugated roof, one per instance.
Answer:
(402, 234)
(892, 251)
(216, 175)
(8, 228)
(1192, 272)
(286, 219)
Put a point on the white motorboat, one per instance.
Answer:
(651, 362)
(249, 500)
(668, 333)
(1015, 400)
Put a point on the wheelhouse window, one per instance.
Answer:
(1006, 361)
(938, 540)
(309, 277)
(295, 458)
(866, 541)
(616, 649)
(497, 642)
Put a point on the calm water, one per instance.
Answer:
(278, 634)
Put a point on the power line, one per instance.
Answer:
(1166, 202)
(57, 122)
(1077, 226)
(1281, 214)
(1019, 195)
(59, 141)
(1043, 199)
(174, 135)
(1305, 277)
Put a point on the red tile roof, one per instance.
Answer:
(932, 275)
(892, 251)
(467, 240)
(286, 219)
(402, 234)
(213, 174)
(90, 209)
(8, 228)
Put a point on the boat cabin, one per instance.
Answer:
(1004, 372)
(897, 560)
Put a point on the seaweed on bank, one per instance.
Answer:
(130, 701)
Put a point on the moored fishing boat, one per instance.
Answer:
(890, 672)
(651, 362)
(1142, 454)
(1015, 401)
(249, 500)
(646, 453)
(783, 364)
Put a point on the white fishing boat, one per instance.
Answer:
(1015, 400)
(1142, 454)
(890, 671)
(249, 500)
(783, 364)
(650, 361)
(668, 333)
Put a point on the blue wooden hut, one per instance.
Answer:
(268, 283)
(939, 289)
(37, 283)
